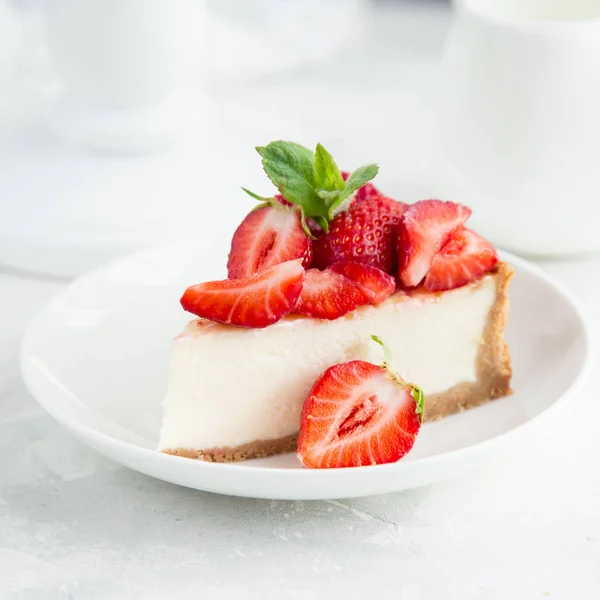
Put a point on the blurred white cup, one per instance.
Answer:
(519, 122)
(124, 63)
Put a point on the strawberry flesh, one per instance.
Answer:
(366, 233)
(462, 259)
(329, 295)
(424, 228)
(256, 301)
(357, 414)
(267, 236)
(377, 284)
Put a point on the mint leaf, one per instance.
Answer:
(327, 173)
(359, 177)
(312, 181)
(328, 197)
(291, 168)
(355, 181)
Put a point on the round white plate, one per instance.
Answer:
(97, 358)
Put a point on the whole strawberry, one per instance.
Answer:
(366, 233)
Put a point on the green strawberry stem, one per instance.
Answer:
(417, 392)
(387, 353)
(310, 180)
(419, 399)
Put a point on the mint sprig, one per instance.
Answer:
(355, 181)
(310, 180)
(327, 174)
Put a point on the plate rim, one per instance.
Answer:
(32, 377)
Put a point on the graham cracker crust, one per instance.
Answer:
(493, 368)
(258, 449)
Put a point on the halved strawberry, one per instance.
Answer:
(365, 233)
(377, 284)
(282, 200)
(268, 236)
(358, 414)
(329, 295)
(424, 228)
(314, 228)
(464, 258)
(256, 301)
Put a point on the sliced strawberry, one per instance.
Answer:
(357, 414)
(267, 236)
(464, 258)
(256, 301)
(377, 284)
(424, 228)
(329, 295)
(366, 233)
(313, 226)
(282, 200)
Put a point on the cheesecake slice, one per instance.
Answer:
(237, 393)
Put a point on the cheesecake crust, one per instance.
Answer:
(493, 370)
(258, 449)
(493, 366)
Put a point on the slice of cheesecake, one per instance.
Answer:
(237, 393)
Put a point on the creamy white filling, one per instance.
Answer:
(231, 386)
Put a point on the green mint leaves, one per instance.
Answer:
(327, 173)
(310, 180)
(355, 181)
(291, 168)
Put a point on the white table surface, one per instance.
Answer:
(75, 526)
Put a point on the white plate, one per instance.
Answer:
(97, 357)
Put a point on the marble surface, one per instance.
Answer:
(75, 526)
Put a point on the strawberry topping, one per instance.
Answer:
(357, 414)
(377, 284)
(256, 301)
(424, 228)
(462, 259)
(329, 295)
(341, 224)
(268, 236)
(366, 233)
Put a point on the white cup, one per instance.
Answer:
(519, 122)
(125, 64)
